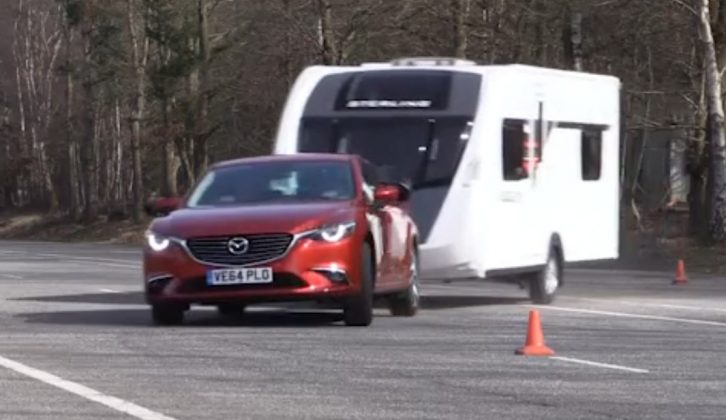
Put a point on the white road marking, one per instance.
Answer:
(636, 316)
(654, 305)
(83, 391)
(129, 252)
(102, 262)
(108, 291)
(90, 259)
(124, 266)
(597, 364)
(111, 262)
(11, 276)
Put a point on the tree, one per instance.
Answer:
(37, 45)
(715, 123)
(139, 58)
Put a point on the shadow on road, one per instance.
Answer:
(459, 301)
(129, 298)
(436, 302)
(279, 315)
(140, 318)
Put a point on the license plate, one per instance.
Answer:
(227, 276)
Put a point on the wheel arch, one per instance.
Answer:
(368, 240)
(415, 243)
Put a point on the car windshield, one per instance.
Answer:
(263, 182)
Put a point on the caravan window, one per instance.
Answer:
(591, 154)
(420, 152)
(513, 136)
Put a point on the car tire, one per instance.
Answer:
(231, 310)
(545, 283)
(407, 303)
(358, 310)
(167, 314)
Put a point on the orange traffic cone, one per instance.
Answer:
(681, 277)
(535, 345)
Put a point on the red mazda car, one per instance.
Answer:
(318, 227)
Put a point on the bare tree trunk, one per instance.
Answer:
(719, 31)
(36, 48)
(54, 41)
(7, 176)
(139, 57)
(22, 141)
(186, 144)
(201, 152)
(645, 132)
(89, 148)
(715, 128)
(287, 57)
(461, 10)
(577, 40)
(71, 142)
(171, 162)
(169, 185)
(697, 167)
(573, 36)
(328, 44)
(118, 154)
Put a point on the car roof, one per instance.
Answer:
(297, 157)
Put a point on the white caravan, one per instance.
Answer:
(514, 169)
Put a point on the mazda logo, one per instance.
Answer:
(238, 246)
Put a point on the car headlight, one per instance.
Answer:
(334, 232)
(156, 242)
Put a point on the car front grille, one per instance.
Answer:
(262, 247)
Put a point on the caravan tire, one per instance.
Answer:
(545, 283)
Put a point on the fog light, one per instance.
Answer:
(334, 274)
(158, 283)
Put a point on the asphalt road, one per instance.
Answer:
(76, 343)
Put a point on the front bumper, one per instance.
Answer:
(310, 270)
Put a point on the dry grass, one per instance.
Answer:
(41, 227)
(697, 258)
(666, 234)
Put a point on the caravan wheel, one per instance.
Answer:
(544, 285)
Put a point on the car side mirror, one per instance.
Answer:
(390, 193)
(162, 206)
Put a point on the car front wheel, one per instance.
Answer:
(167, 314)
(231, 310)
(358, 310)
(407, 303)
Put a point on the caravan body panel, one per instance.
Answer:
(454, 132)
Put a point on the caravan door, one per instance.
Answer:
(516, 225)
